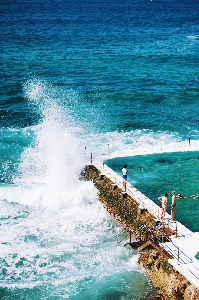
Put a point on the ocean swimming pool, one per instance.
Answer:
(156, 174)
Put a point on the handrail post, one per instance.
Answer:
(130, 236)
(91, 159)
(178, 254)
(176, 229)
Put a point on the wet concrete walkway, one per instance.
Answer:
(183, 245)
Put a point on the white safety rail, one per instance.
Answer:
(188, 267)
(183, 263)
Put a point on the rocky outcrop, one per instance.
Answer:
(169, 283)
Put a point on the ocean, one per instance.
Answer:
(118, 79)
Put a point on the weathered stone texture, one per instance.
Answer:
(169, 283)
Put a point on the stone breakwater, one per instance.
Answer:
(140, 225)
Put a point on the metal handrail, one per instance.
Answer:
(164, 244)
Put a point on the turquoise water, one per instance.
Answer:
(156, 174)
(81, 77)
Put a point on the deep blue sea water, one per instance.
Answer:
(80, 77)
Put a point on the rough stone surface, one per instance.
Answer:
(169, 283)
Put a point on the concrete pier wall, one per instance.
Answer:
(147, 233)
